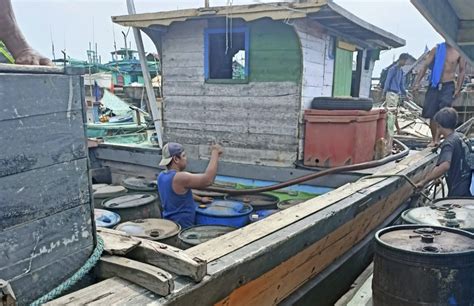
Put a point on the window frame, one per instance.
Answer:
(207, 63)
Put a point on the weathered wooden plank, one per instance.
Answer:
(178, 44)
(218, 247)
(112, 291)
(244, 127)
(40, 281)
(42, 192)
(173, 72)
(253, 89)
(40, 141)
(16, 68)
(354, 293)
(116, 242)
(43, 241)
(147, 276)
(236, 140)
(242, 155)
(169, 258)
(59, 93)
(183, 59)
(249, 117)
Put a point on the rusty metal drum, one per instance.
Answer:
(423, 265)
(162, 230)
(134, 206)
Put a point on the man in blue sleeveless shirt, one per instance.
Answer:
(175, 184)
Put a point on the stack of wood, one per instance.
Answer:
(130, 266)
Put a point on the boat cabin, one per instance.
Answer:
(243, 75)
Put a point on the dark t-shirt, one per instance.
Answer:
(458, 177)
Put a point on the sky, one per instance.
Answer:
(72, 24)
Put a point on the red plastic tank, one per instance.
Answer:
(335, 138)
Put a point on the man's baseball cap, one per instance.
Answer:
(169, 150)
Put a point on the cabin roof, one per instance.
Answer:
(328, 14)
(453, 19)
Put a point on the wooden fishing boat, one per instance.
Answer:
(312, 251)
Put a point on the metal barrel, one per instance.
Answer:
(134, 206)
(423, 265)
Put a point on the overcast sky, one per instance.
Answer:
(72, 24)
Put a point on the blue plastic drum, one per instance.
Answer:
(106, 218)
(223, 212)
(262, 214)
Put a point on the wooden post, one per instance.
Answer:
(155, 112)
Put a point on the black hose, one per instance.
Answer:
(312, 176)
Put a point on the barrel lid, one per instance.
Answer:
(289, 203)
(205, 193)
(426, 239)
(442, 215)
(139, 183)
(105, 218)
(467, 203)
(202, 233)
(107, 191)
(129, 200)
(256, 200)
(95, 187)
(224, 208)
(154, 229)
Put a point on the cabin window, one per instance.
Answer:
(226, 56)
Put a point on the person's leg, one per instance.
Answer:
(434, 134)
(430, 108)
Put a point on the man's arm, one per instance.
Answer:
(437, 172)
(402, 85)
(427, 62)
(16, 43)
(185, 180)
(461, 75)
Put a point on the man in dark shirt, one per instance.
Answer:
(452, 160)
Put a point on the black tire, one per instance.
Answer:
(329, 103)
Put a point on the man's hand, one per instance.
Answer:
(217, 148)
(457, 93)
(206, 200)
(416, 87)
(420, 185)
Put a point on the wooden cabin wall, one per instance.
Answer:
(257, 122)
(46, 232)
(318, 68)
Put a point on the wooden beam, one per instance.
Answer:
(116, 242)
(154, 253)
(111, 291)
(465, 36)
(169, 258)
(152, 278)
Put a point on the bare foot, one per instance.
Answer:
(433, 144)
(32, 57)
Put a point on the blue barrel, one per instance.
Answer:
(223, 212)
(262, 214)
(106, 218)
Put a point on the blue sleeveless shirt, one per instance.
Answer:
(179, 208)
